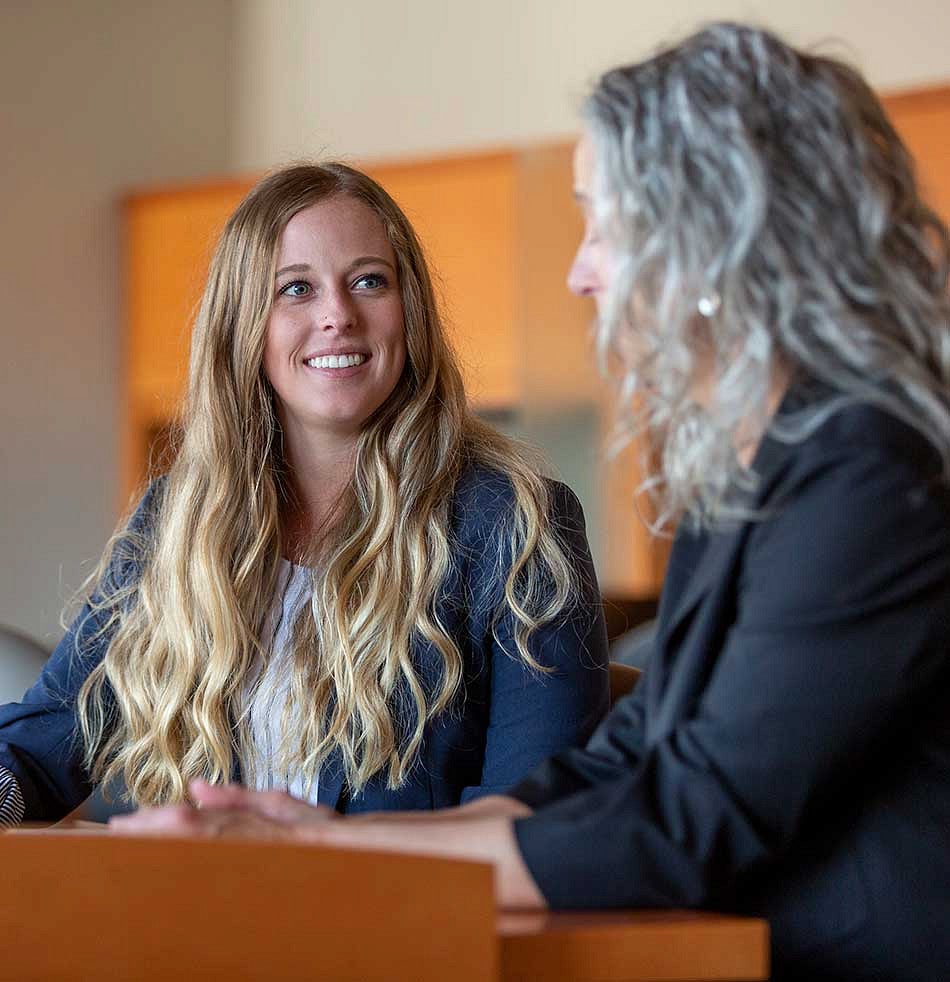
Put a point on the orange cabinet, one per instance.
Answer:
(922, 117)
(169, 236)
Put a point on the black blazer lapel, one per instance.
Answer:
(702, 564)
(684, 656)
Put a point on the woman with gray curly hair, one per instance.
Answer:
(775, 292)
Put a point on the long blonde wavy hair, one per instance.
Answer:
(187, 606)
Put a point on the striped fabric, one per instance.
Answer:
(11, 800)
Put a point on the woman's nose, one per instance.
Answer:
(337, 311)
(582, 278)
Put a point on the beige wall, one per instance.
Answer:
(384, 77)
(96, 97)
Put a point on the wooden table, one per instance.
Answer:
(622, 946)
(77, 906)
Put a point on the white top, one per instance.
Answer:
(265, 704)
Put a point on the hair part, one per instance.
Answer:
(734, 163)
(165, 704)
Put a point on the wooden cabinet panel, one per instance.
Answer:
(169, 239)
(464, 212)
(922, 118)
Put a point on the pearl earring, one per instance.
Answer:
(709, 304)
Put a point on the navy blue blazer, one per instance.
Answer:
(787, 753)
(507, 719)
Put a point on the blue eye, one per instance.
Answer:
(371, 281)
(298, 288)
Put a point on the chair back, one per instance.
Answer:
(623, 679)
(21, 661)
(635, 646)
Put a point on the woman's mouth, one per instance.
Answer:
(350, 360)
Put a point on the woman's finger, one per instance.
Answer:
(168, 818)
(276, 805)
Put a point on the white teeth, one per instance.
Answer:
(336, 361)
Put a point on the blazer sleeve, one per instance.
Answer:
(535, 714)
(837, 647)
(40, 744)
(615, 748)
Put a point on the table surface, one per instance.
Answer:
(606, 946)
(616, 946)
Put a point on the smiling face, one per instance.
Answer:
(335, 345)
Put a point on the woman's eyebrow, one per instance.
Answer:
(360, 261)
(370, 261)
(293, 268)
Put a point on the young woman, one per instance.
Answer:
(777, 292)
(346, 586)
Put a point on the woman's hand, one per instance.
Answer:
(229, 810)
(482, 832)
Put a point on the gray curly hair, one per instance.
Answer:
(732, 164)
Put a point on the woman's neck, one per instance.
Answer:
(319, 473)
(750, 435)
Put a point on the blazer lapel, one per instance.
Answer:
(702, 564)
(706, 573)
(684, 660)
(684, 583)
(330, 788)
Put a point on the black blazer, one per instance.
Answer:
(787, 753)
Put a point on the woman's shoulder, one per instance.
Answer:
(860, 428)
(130, 546)
(149, 504)
(143, 519)
(857, 511)
(477, 479)
(484, 494)
(855, 442)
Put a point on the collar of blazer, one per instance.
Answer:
(330, 789)
(688, 641)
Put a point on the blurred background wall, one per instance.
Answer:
(103, 95)
(408, 76)
(95, 96)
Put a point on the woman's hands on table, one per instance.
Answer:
(228, 810)
(482, 831)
